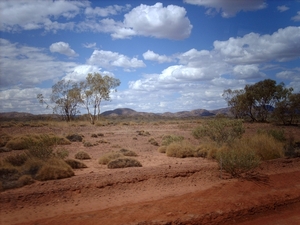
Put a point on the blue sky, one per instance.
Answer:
(169, 56)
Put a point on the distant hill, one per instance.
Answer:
(120, 112)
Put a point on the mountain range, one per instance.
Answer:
(126, 112)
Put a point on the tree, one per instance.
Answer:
(288, 110)
(95, 89)
(66, 97)
(256, 101)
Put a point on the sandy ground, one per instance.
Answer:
(164, 191)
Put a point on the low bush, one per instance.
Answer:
(276, 134)
(207, 150)
(265, 146)
(4, 138)
(237, 159)
(82, 155)
(106, 158)
(168, 139)
(16, 159)
(74, 137)
(55, 168)
(143, 133)
(123, 163)
(75, 164)
(127, 152)
(162, 149)
(62, 153)
(152, 141)
(25, 141)
(180, 149)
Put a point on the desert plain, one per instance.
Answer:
(165, 190)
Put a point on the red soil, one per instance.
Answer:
(164, 191)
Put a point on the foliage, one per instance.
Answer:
(62, 153)
(66, 97)
(237, 159)
(16, 159)
(276, 134)
(4, 138)
(256, 101)
(220, 130)
(40, 151)
(95, 89)
(288, 110)
(123, 163)
(207, 150)
(180, 149)
(82, 155)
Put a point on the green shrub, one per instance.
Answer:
(180, 149)
(222, 130)
(123, 163)
(75, 164)
(82, 155)
(168, 139)
(106, 158)
(237, 159)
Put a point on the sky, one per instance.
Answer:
(170, 56)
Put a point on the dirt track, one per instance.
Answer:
(164, 191)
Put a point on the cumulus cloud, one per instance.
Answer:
(229, 8)
(63, 48)
(297, 17)
(150, 55)
(107, 11)
(253, 48)
(108, 59)
(282, 8)
(247, 72)
(157, 21)
(28, 66)
(32, 15)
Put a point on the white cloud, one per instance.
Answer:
(107, 11)
(28, 66)
(297, 17)
(89, 45)
(155, 21)
(247, 72)
(108, 59)
(63, 48)
(150, 55)
(282, 8)
(282, 45)
(23, 100)
(229, 8)
(31, 15)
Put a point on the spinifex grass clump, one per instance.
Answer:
(39, 162)
(123, 163)
(25, 141)
(106, 158)
(180, 149)
(82, 155)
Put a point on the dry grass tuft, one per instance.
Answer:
(162, 149)
(123, 163)
(4, 138)
(106, 158)
(25, 141)
(168, 139)
(75, 164)
(180, 149)
(74, 137)
(127, 152)
(82, 155)
(207, 150)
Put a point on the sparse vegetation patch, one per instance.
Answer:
(82, 155)
(123, 163)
